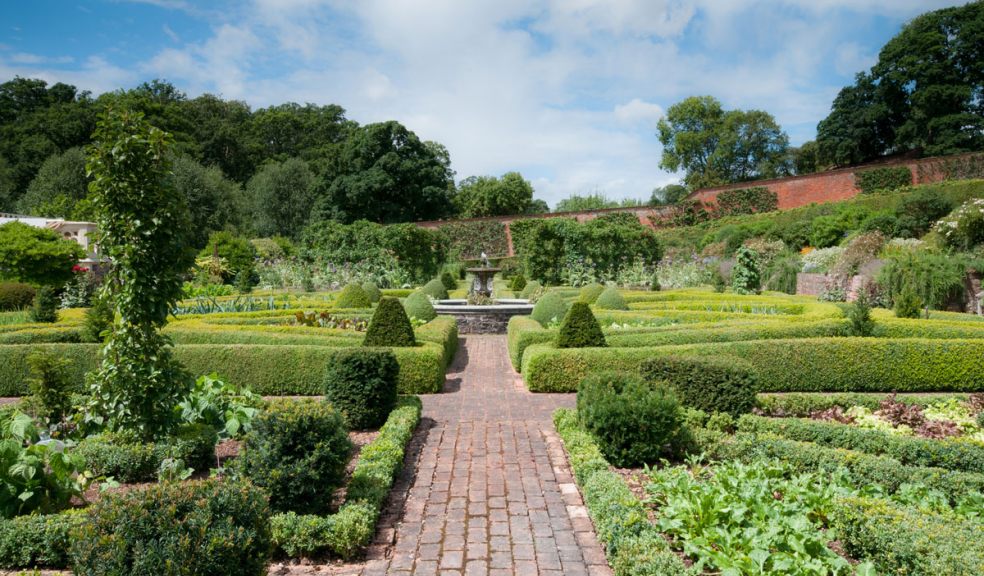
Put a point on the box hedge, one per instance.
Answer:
(718, 384)
(131, 460)
(579, 329)
(353, 296)
(389, 326)
(361, 384)
(38, 540)
(805, 403)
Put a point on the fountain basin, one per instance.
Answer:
(491, 319)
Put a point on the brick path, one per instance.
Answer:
(493, 492)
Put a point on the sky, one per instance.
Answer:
(567, 92)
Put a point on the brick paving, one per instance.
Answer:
(492, 492)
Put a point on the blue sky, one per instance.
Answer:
(568, 92)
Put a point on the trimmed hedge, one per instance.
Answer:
(435, 289)
(352, 528)
(551, 307)
(580, 329)
(361, 384)
(49, 335)
(15, 296)
(634, 546)
(887, 178)
(805, 403)
(419, 306)
(590, 292)
(901, 540)
(353, 296)
(910, 450)
(442, 330)
(611, 299)
(389, 326)
(521, 332)
(718, 384)
(38, 540)
(131, 460)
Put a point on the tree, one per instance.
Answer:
(281, 196)
(143, 224)
(668, 195)
(926, 92)
(713, 146)
(61, 183)
(214, 202)
(387, 175)
(805, 159)
(538, 206)
(36, 255)
(575, 203)
(490, 196)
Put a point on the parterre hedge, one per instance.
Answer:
(38, 540)
(805, 403)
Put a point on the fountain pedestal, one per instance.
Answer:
(482, 284)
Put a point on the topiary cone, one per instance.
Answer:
(580, 329)
(389, 326)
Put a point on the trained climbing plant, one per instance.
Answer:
(142, 222)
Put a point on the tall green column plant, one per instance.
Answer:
(142, 229)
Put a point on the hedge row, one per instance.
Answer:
(442, 330)
(795, 365)
(39, 540)
(909, 450)
(263, 369)
(865, 468)
(523, 331)
(48, 335)
(901, 540)
(346, 532)
(634, 546)
(128, 460)
(805, 403)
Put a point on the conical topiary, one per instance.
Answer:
(580, 329)
(611, 299)
(353, 296)
(518, 284)
(419, 306)
(531, 287)
(448, 280)
(590, 292)
(435, 289)
(373, 291)
(389, 326)
(549, 308)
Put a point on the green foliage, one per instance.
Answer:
(213, 201)
(389, 326)
(353, 296)
(142, 226)
(467, 240)
(36, 255)
(963, 229)
(531, 287)
(58, 187)
(45, 305)
(611, 299)
(878, 179)
(50, 385)
(550, 308)
(126, 458)
(237, 252)
(205, 528)
(589, 293)
(714, 384)
(917, 212)
(806, 403)
(633, 422)
(481, 196)
(213, 402)
(449, 282)
(518, 284)
(780, 275)
(361, 384)
(937, 279)
(902, 540)
(15, 296)
(746, 201)
(281, 196)
(580, 328)
(419, 307)
(98, 320)
(372, 291)
(38, 539)
(297, 451)
(435, 289)
(745, 278)
(717, 281)
(859, 313)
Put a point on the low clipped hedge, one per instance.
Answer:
(38, 540)
(900, 540)
(798, 365)
(717, 384)
(131, 460)
(352, 528)
(523, 331)
(442, 330)
(805, 403)
(633, 545)
(910, 450)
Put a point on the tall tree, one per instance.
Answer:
(281, 196)
(668, 195)
(215, 202)
(576, 203)
(61, 183)
(713, 146)
(387, 175)
(490, 196)
(926, 92)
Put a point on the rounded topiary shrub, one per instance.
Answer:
(372, 291)
(361, 384)
(435, 289)
(207, 528)
(353, 296)
(719, 384)
(531, 287)
(633, 422)
(297, 451)
(611, 299)
(419, 306)
(15, 296)
(448, 281)
(389, 326)
(518, 284)
(550, 308)
(590, 292)
(580, 329)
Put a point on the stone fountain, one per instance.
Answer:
(486, 318)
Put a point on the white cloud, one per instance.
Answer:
(636, 111)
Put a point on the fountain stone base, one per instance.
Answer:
(483, 319)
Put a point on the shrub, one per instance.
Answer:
(297, 451)
(435, 289)
(531, 287)
(580, 328)
(361, 384)
(236, 251)
(859, 313)
(419, 306)
(98, 320)
(129, 459)
(372, 291)
(204, 528)
(717, 384)
(746, 201)
(220, 404)
(50, 385)
(889, 178)
(389, 326)
(38, 539)
(937, 278)
(448, 281)
(590, 292)
(717, 281)
(45, 307)
(15, 296)
(518, 284)
(633, 422)
(308, 534)
(907, 304)
(550, 308)
(611, 299)
(745, 275)
(36, 255)
(964, 227)
(353, 296)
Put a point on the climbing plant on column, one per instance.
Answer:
(142, 223)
